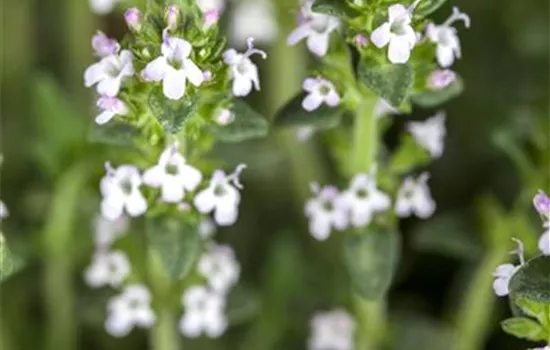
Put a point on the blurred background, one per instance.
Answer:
(498, 133)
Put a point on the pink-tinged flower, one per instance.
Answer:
(364, 199)
(109, 73)
(243, 72)
(414, 197)
(446, 38)
(541, 201)
(503, 274)
(327, 210)
(440, 79)
(320, 91)
(110, 106)
(172, 17)
(133, 18)
(104, 46)
(361, 40)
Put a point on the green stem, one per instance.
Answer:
(371, 316)
(164, 335)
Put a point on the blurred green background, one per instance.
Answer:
(45, 47)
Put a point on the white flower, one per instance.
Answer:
(204, 313)
(326, 210)
(253, 18)
(102, 7)
(110, 107)
(414, 197)
(107, 268)
(109, 73)
(320, 91)
(397, 32)
(222, 197)
(383, 107)
(544, 242)
(220, 267)
(120, 191)
(448, 45)
(207, 228)
(440, 79)
(316, 28)
(4, 212)
(331, 331)
(129, 309)
(104, 46)
(364, 199)
(502, 275)
(243, 72)
(172, 175)
(107, 231)
(174, 68)
(430, 133)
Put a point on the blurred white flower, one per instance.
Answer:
(364, 199)
(440, 79)
(544, 241)
(224, 117)
(414, 197)
(448, 44)
(243, 72)
(207, 228)
(120, 191)
(211, 10)
(397, 32)
(382, 108)
(107, 268)
(110, 106)
(253, 18)
(104, 46)
(174, 68)
(326, 210)
(129, 309)
(304, 133)
(172, 175)
(503, 274)
(204, 313)
(220, 267)
(320, 91)
(545, 348)
(107, 231)
(222, 197)
(331, 331)
(430, 133)
(109, 73)
(4, 212)
(316, 27)
(102, 7)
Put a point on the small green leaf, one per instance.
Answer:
(532, 280)
(524, 328)
(9, 262)
(408, 156)
(371, 259)
(177, 244)
(113, 133)
(431, 99)
(337, 8)
(535, 309)
(247, 124)
(294, 115)
(172, 115)
(392, 82)
(426, 7)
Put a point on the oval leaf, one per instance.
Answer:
(392, 82)
(294, 115)
(532, 280)
(371, 259)
(522, 306)
(337, 8)
(172, 115)
(247, 124)
(525, 328)
(177, 244)
(113, 133)
(431, 99)
(426, 7)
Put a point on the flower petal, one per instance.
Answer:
(445, 56)
(94, 74)
(136, 204)
(194, 74)
(226, 215)
(191, 177)
(109, 87)
(399, 50)
(155, 70)
(317, 43)
(241, 86)
(312, 101)
(298, 34)
(172, 189)
(396, 11)
(174, 84)
(205, 201)
(154, 176)
(104, 117)
(381, 35)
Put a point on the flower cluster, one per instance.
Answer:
(331, 330)
(361, 201)
(542, 205)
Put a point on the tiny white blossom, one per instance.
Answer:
(430, 133)
(129, 309)
(110, 72)
(503, 274)
(364, 199)
(220, 267)
(172, 175)
(110, 106)
(397, 32)
(253, 18)
(243, 72)
(320, 91)
(174, 68)
(102, 7)
(326, 210)
(222, 197)
(414, 197)
(316, 27)
(204, 313)
(120, 191)
(4, 212)
(383, 107)
(107, 268)
(331, 331)
(448, 44)
(107, 231)
(207, 228)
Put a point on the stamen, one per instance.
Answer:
(458, 16)
(252, 50)
(519, 251)
(234, 177)
(109, 169)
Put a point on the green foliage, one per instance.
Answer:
(535, 309)
(371, 258)
(243, 304)
(524, 328)
(434, 98)
(172, 115)
(10, 263)
(176, 243)
(294, 115)
(426, 7)
(532, 280)
(247, 124)
(114, 133)
(409, 156)
(337, 8)
(392, 82)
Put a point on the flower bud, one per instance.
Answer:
(133, 19)
(104, 46)
(360, 40)
(172, 16)
(224, 117)
(440, 79)
(542, 204)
